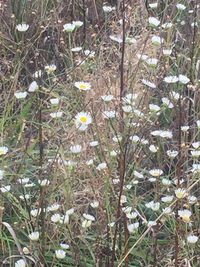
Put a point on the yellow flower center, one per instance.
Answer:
(83, 119)
(179, 194)
(83, 86)
(2, 152)
(186, 218)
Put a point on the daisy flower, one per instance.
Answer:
(82, 120)
(83, 86)
(23, 27)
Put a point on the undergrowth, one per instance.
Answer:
(100, 133)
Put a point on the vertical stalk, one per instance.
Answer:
(178, 174)
(122, 156)
(40, 174)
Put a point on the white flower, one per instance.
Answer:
(116, 38)
(37, 74)
(123, 199)
(151, 223)
(192, 239)
(1, 174)
(142, 56)
(167, 102)
(60, 254)
(180, 193)
(44, 182)
(69, 212)
(152, 180)
(89, 162)
(34, 236)
(94, 204)
(167, 199)
(64, 219)
(50, 68)
(138, 113)
(167, 210)
(174, 95)
(183, 79)
(69, 27)
(153, 205)
(101, 166)
(127, 209)
(185, 128)
(109, 114)
(195, 168)
(82, 120)
(157, 40)
(196, 145)
(154, 22)
(111, 224)
(35, 212)
(77, 23)
(133, 227)
(162, 133)
(131, 215)
(86, 223)
(3, 150)
(56, 115)
(152, 62)
(127, 108)
(83, 86)
(154, 108)
(195, 153)
(171, 79)
(134, 138)
(153, 5)
(130, 99)
(192, 199)
(153, 148)
(113, 153)
(53, 207)
(5, 189)
(54, 101)
(138, 174)
(89, 53)
(76, 49)
(94, 143)
(198, 124)
(144, 141)
(185, 215)
(166, 182)
(130, 40)
(33, 87)
(64, 246)
(167, 52)
(149, 84)
(76, 149)
(156, 172)
(29, 185)
(108, 9)
(20, 263)
(24, 197)
(167, 25)
(172, 153)
(26, 250)
(107, 98)
(23, 27)
(181, 7)
(21, 95)
(89, 217)
(55, 218)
